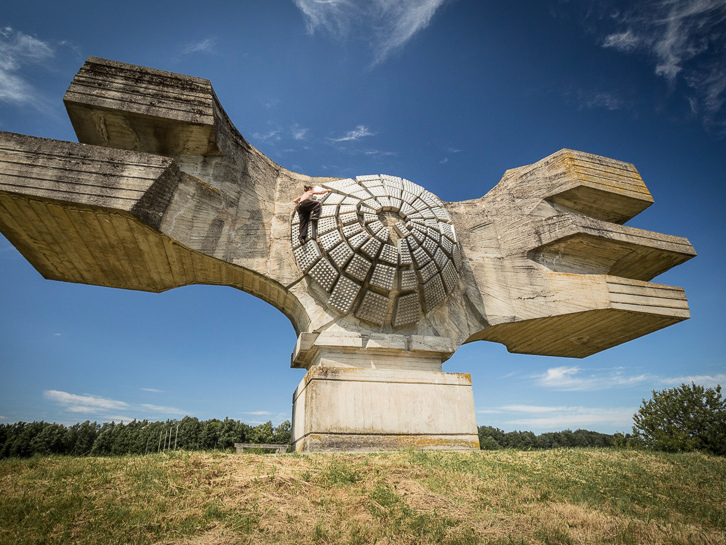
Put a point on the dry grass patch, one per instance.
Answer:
(500, 497)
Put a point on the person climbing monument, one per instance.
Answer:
(308, 209)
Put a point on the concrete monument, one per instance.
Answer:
(163, 192)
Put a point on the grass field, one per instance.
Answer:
(499, 497)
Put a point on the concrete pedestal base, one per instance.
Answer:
(354, 409)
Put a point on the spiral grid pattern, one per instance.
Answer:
(385, 249)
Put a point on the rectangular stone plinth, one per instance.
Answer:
(353, 409)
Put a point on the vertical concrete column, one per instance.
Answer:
(378, 397)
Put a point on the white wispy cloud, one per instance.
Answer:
(592, 100)
(389, 24)
(105, 409)
(276, 418)
(153, 390)
(709, 381)
(712, 87)
(299, 133)
(578, 417)
(17, 51)
(81, 409)
(270, 102)
(162, 409)
(449, 150)
(378, 154)
(407, 18)
(83, 403)
(118, 418)
(272, 135)
(356, 134)
(332, 15)
(536, 409)
(203, 46)
(574, 378)
(623, 41)
(554, 418)
(685, 38)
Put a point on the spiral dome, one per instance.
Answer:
(385, 250)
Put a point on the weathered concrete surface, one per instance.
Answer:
(372, 351)
(135, 108)
(347, 408)
(549, 279)
(163, 191)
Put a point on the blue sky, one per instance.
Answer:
(448, 94)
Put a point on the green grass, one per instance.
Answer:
(497, 497)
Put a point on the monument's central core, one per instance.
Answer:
(163, 191)
(385, 250)
(390, 219)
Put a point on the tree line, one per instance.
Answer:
(686, 418)
(494, 439)
(682, 419)
(25, 439)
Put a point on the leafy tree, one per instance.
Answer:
(22, 445)
(5, 434)
(49, 440)
(10, 436)
(626, 441)
(189, 431)
(489, 443)
(210, 434)
(80, 437)
(685, 418)
(121, 442)
(230, 433)
(104, 440)
(282, 433)
(146, 437)
(131, 438)
(491, 438)
(262, 433)
(522, 440)
(585, 438)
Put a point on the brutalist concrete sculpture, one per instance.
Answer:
(164, 192)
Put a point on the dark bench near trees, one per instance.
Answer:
(278, 448)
